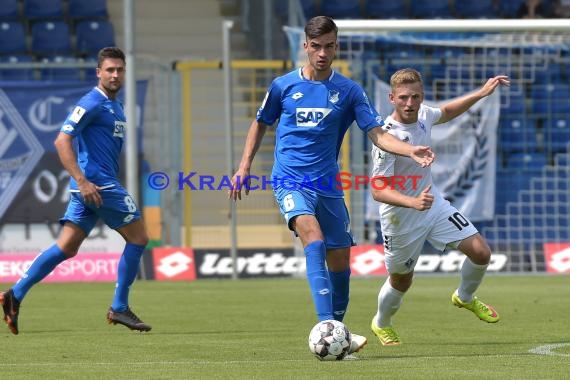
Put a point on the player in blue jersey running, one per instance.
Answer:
(88, 145)
(315, 106)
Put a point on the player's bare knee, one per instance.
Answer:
(401, 283)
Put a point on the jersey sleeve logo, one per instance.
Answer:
(77, 114)
(119, 129)
(311, 117)
(67, 128)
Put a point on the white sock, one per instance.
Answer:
(389, 301)
(471, 277)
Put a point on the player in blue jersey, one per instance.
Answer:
(315, 106)
(88, 145)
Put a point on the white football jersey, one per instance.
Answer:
(408, 177)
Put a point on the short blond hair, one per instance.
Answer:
(405, 76)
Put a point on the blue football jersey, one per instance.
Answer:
(98, 125)
(313, 119)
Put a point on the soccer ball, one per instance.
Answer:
(329, 340)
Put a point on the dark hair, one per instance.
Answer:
(319, 25)
(109, 52)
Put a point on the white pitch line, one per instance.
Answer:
(548, 349)
(226, 362)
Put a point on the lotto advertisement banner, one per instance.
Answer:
(183, 264)
(557, 257)
(368, 260)
(175, 264)
(33, 185)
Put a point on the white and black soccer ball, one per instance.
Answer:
(329, 340)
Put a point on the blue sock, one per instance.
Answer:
(126, 274)
(42, 265)
(318, 278)
(341, 286)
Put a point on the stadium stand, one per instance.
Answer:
(9, 10)
(92, 35)
(341, 9)
(476, 9)
(16, 73)
(509, 8)
(430, 9)
(50, 38)
(282, 9)
(385, 9)
(42, 9)
(13, 38)
(60, 73)
(92, 9)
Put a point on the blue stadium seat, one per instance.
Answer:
(341, 9)
(9, 10)
(94, 35)
(517, 134)
(282, 9)
(43, 9)
(383, 9)
(422, 9)
(524, 161)
(476, 9)
(16, 73)
(509, 8)
(50, 38)
(557, 133)
(92, 9)
(90, 73)
(559, 97)
(60, 73)
(12, 38)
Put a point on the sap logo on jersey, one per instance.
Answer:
(119, 129)
(311, 117)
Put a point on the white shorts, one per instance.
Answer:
(447, 230)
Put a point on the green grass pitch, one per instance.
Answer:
(257, 329)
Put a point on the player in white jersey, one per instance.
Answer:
(315, 106)
(413, 211)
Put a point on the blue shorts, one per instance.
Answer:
(331, 213)
(118, 209)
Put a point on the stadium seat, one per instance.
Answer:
(517, 134)
(422, 9)
(90, 73)
(523, 161)
(92, 9)
(43, 9)
(509, 8)
(9, 10)
(50, 38)
(12, 38)
(341, 9)
(282, 9)
(476, 9)
(382, 9)
(16, 73)
(557, 133)
(60, 73)
(93, 36)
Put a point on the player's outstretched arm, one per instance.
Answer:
(89, 191)
(458, 106)
(393, 197)
(423, 155)
(252, 143)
